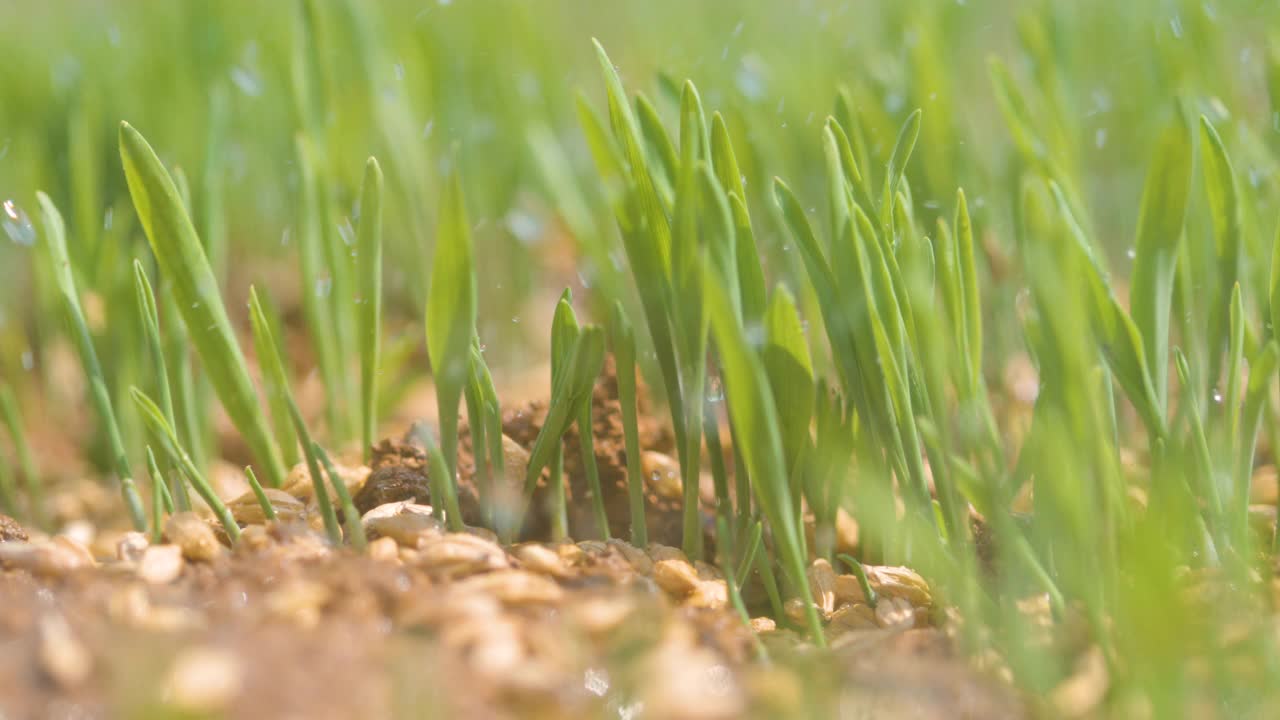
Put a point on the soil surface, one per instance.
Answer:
(100, 624)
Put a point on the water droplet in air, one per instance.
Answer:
(17, 225)
(247, 80)
(516, 319)
(107, 218)
(28, 360)
(1175, 24)
(1217, 396)
(324, 286)
(715, 390)
(426, 129)
(399, 71)
(1100, 138)
(346, 232)
(1131, 253)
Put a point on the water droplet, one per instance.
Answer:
(525, 227)
(1100, 138)
(247, 80)
(107, 217)
(28, 360)
(346, 232)
(1131, 253)
(715, 390)
(515, 319)
(113, 36)
(1175, 24)
(284, 237)
(17, 225)
(1217, 396)
(400, 71)
(596, 681)
(195, 305)
(426, 129)
(324, 286)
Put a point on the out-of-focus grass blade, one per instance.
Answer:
(182, 259)
(623, 341)
(1164, 205)
(369, 298)
(1207, 486)
(157, 497)
(753, 411)
(895, 168)
(163, 434)
(275, 379)
(1262, 370)
(55, 233)
(26, 458)
(790, 371)
(355, 528)
(278, 383)
(451, 313)
(1224, 206)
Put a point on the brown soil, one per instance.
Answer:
(286, 626)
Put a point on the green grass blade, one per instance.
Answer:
(157, 498)
(55, 233)
(753, 412)
(164, 435)
(369, 298)
(278, 384)
(355, 527)
(264, 502)
(275, 379)
(182, 260)
(790, 371)
(623, 341)
(1164, 205)
(451, 313)
(1224, 206)
(32, 480)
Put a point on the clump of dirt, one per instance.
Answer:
(10, 529)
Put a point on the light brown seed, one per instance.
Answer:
(196, 538)
(676, 577)
(822, 583)
(161, 564)
(513, 587)
(541, 559)
(661, 474)
(62, 657)
(130, 546)
(247, 510)
(639, 561)
(204, 680)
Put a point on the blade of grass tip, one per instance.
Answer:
(861, 573)
(896, 167)
(32, 481)
(163, 434)
(150, 318)
(969, 292)
(273, 370)
(275, 380)
(55, 232)
(369, 298)
(752, 410)
(451, 315)
(182, 259)
(264, 502)
(157, 497)
(354, 524)
(1164, 205)
(624, 357)
(564, 332)
(1224, 206)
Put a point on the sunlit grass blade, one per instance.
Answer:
(162, 433)
(1164, 205)
(895, 169)
(183, 262)
(369, 298)
(55, 233)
